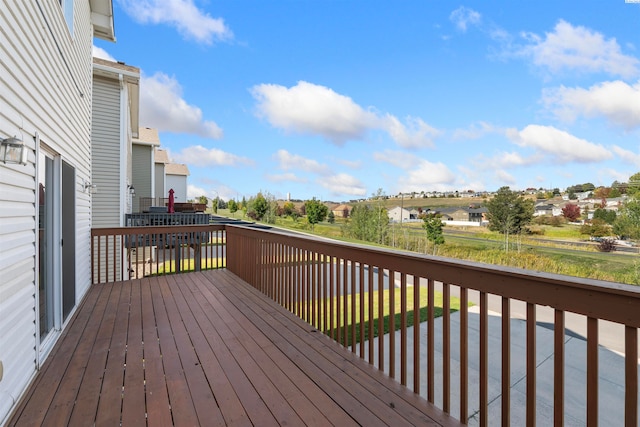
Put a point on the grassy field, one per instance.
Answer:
(419, 202)
(556, 254)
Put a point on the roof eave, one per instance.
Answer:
(102, 19)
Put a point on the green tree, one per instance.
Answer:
(627, 224)
(331, 217)
(257, 207)
(509, 213)
(272, 209)
(289, 209)
(233, 206)
(368, 223)
(633, 187)
(597, 228)
(316, 211)
(606, 215)
(433, 226)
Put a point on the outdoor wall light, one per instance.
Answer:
(13, 150)
(131, 189)
(90, 188)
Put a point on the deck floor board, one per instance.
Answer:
(207, 349)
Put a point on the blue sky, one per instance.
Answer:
(334, 99)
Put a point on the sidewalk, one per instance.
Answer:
(611, 373)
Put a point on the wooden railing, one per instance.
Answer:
(336, 287)
(344, 291)
(133, 252)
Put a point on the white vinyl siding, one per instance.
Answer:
(179, 185)
(142, 162)
(106, 153)
(161, 193)
(45, 88)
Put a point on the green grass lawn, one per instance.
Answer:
(186, 265)
(346, 323)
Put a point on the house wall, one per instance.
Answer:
(142, 173)
(160, 190)
(396, 214)
(45, 91)
(459, 215)
(179, 185)
(106, 152)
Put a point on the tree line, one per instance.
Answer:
(508, 213)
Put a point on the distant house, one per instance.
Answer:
(115, 122)
(399, 214)
(341, 211)
(547, 209)
(161, 192)
(143, 162)
(478, 214)
(464, 214)
(176, 179)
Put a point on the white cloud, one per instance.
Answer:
(428, 176)
(617, 101)
(312, 109)
(561, 146)
(505, 160)
(198, 155)
(343, 183)
(475, 131)
(505, 177)
(212, 189)
(287, 161)
(398, 159)
(194, 192)
(191, 22)
(99, 52)
(416, 134)
(162, 107)
(351, 164)
(285, 177)
(627, 156)
(462, 17)
(576, 48)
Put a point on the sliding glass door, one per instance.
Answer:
(56, 245)
(48, 241)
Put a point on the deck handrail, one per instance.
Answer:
(309, 276)
(122, 253)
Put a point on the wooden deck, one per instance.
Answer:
(207, 349)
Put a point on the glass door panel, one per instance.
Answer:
(46, 224)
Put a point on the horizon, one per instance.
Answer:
(334, 100)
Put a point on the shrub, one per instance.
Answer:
(607, 245)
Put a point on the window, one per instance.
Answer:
(67, 10)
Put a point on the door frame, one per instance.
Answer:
(54, 251)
